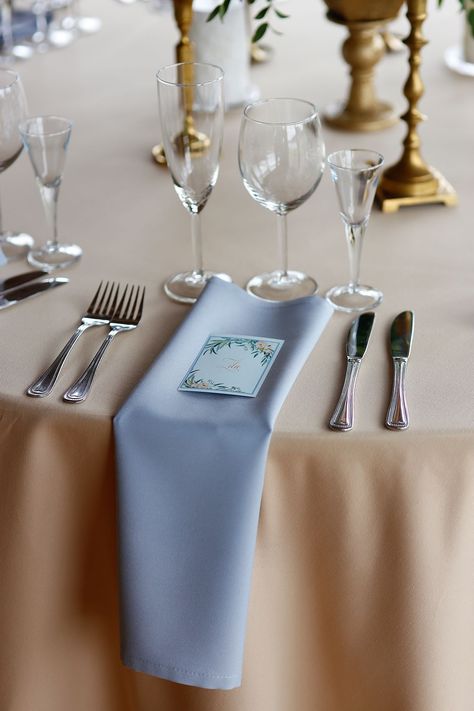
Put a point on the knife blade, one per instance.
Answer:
(401, 337)
(19, 279)
(356, 346)
(27, 291)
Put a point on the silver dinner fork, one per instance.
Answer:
(126, 317)
(98, 313)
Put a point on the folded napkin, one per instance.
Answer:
(190, 476)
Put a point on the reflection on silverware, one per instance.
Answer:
(126, 317)
(357, 341)
(27, 291)
(401, 336)
(98, 313)
(19, 279)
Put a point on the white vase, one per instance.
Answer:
(468, 46)
(226, 44)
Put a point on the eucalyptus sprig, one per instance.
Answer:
(267, 13)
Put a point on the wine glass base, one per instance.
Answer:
(186, 287)
(351, 299)
(52, 257)
(14, 245)
(279, 286)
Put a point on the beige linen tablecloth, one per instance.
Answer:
(363, 587)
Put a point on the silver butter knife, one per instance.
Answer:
(357, 342)
(401, 336)
(27, 291)
(19, 279)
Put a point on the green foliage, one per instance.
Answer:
(266, 13)
(463, 8)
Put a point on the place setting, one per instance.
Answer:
(231, 457)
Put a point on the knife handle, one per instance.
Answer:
(343, 417)
(45, 383)
(397, 413)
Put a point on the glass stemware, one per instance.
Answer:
(281, 160)
(192, 117)
(13, 245)
(355, 174)
(46, 139)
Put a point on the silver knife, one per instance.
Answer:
(19, 279)
(357, 341)
(401, 336)
(27, 291)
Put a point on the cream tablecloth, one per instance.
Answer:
(363, 584)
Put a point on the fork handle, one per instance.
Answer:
(79, 390)
(43, 385)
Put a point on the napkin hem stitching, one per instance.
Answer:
(210, 675)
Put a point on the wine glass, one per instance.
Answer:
(355, 174)
(281, 160)
(191, 105)
(46, 139)
(13, 245)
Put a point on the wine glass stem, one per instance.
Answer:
(354, 238)
(197, 243)
(50, 202)
(282, 231)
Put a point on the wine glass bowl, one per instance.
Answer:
(355, 174)
(46, 139)
(13, 245)
(281, 161)
(191, 105)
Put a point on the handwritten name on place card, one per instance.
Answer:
(231, 365)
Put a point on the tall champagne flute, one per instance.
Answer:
(281, 160)
(46, 139)
(13, 245)
(191, 106)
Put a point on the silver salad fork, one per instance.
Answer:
(126, 317)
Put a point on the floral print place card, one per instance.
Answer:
(232, 365)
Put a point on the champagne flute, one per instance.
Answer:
(281, 160)
(355, 174)
(46, 139)
(192, 117)
(13, 245)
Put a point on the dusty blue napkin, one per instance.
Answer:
(190, 476)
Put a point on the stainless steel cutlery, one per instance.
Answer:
(98, 313)
(122, 311)
(126, 318)
(21, 292)
(19, 279)
(357, 342)
(401, 336)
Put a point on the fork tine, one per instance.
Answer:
(140, 307)
(112, 301)
(118, 310)
(95, 298)
(100, 306)
(132, 305)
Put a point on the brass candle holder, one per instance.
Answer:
(411, 181)
(198, 142)
(362, 50)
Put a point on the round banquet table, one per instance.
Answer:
(363, 584)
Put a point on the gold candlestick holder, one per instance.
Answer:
(362, 50)
(411, 181)
(198, 142)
